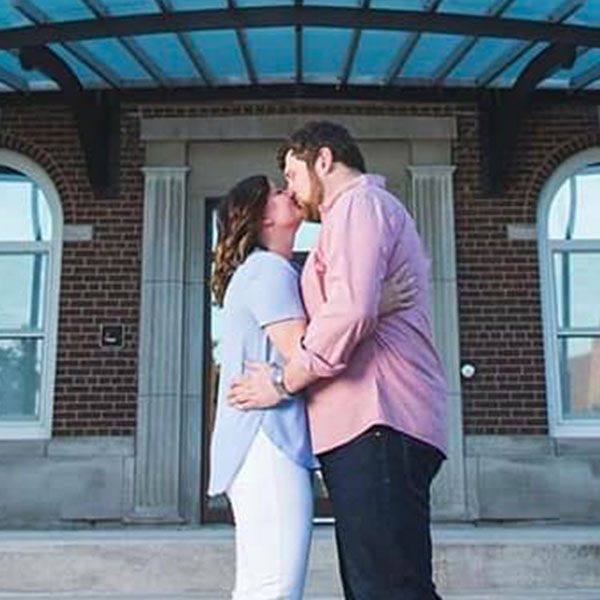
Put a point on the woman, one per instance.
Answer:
(262, 459)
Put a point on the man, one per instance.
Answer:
(375, 387)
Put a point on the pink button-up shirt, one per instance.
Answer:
(374, 370)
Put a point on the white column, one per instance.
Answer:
(156, 482)
(432, 205)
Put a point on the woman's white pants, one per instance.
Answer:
(272, 503)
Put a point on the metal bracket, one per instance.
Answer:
(97, 115)
(502, 112)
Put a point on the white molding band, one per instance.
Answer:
(279, 127)
(432, 205)
(78, 233)
(521, 232)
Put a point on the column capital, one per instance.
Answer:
(431, 171)
(169, 171)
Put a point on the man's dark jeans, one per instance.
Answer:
(379, 485)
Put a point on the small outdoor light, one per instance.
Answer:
(467, 370)
(111, 336)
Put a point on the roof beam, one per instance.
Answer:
(35, 14)
(184, 39)
(299, 48)
(561, 14)
(13, 81)
(352, 48)
(54, 67)
(130, 45)
(407, 48)
(243, 44)
(586, 78)
(459, 53)
(286, 91)
(305, 16)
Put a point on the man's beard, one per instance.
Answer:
(310, 207)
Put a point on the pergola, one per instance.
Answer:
(96, 54)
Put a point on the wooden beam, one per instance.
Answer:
(459, 53)
(352, 48)
(184, 39)
(244, 49)
(130, 45)
(559, 15)
(407, 48)
(305, 16)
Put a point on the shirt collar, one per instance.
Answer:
(364, 179)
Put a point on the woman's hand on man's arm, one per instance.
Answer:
(398, 292)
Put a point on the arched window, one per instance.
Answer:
(30, 252)
(569, 244)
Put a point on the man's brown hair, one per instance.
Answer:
(306, 142)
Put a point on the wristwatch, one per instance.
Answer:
(277, 381)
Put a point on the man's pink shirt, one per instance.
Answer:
(374, 370)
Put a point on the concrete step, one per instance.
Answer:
(508, 594)
(471, 563)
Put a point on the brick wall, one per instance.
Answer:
(500, 308)
(498, 279)
(95, 388)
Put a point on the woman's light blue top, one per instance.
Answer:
(263, 290)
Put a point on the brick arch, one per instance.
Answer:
(9, 141)
(551, 162)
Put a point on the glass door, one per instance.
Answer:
(217, 510)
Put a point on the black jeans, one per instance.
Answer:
(379, 485)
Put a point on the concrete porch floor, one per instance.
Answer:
(472, 562)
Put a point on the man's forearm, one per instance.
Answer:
(296, 376)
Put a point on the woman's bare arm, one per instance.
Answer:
(286, 335)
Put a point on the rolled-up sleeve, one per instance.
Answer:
(355, 255)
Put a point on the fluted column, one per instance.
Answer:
(156, 481)
(432, 205)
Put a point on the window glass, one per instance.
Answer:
(573, 339)
(29, 254)
(577, 285)
(20, 378)
(307, 236)
(580, 377)
(575, 211)
(25, 216)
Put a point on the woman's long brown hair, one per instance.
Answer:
(239, 217)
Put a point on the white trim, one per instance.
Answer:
(522, 232)
(41, 428)
(164, 172)
(578, 332)
(575, 245)
(24, 247)
(17, 333)
(558, 426)
(78, 233)
(278, 127)
(431, 171)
